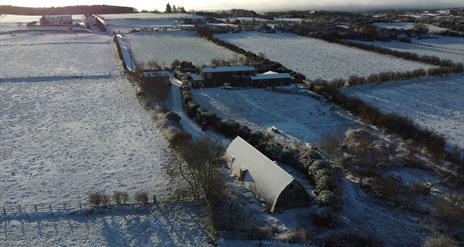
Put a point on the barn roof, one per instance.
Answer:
(227, 69)
(269, 178)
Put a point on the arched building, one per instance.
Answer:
(272, 184)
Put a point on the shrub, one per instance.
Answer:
(441, 241)
(324, 217)
(293, 236)
(99, 199)
(260, 233)
(120, 197)
(179, 138)
(141, 197)
(173, 117)
(329, 199)
(352, 240)
(419, 189)
(448, 210)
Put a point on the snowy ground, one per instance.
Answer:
(316, 58)
(164, 225)
(165, 47)
(70, 124)
(435, 103)
(125, 22)
(450, 48)
(408, 26)
(33, 57)
(18, 22)
(297, 116)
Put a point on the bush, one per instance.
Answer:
(324, 217)
(179, 138)
(329, 199)
(173, 117)
(293, 236)
(99, 199)
(448, 210)
(141, 197)
(441, 241)
(352, 240)
(120, 197)
(260, 233)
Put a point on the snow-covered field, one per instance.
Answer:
(297, 116)
(18, 22)
(165, 47)
(36, 56)
(163, 225)
(408, 26)
(317, 58)
(125, 22)
(70, 124)
(442, 47)
(435, 103)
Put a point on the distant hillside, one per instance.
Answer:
(75, 10)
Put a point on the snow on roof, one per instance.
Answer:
(196, 77)
(269, 178)
(270, 72)
(155, 74)
(227, 69)
(274, 75)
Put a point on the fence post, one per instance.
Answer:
(80, 205)
(20, 209)
(35, 207)
(51, 210)
(154, 199)
(4, 211)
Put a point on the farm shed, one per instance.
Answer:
(272, 184)
(56, 20)
(226, 73)
(271, 78)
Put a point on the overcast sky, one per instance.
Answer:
(250, 4)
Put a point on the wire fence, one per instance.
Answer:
(70, 206)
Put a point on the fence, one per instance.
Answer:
(70, 206)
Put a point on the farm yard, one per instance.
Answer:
(297, 116)
(165, 47)
(448, 48)
(435, 103)
(317, 58)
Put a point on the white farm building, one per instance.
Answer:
(272, 184)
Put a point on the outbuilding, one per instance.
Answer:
(226, 73)
(271, 184)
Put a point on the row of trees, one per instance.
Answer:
(174, 9)
(395, 124)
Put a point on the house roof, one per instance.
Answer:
(227, 69)
(269, 178)
(268, 75)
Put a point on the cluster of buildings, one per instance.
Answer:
(56, 20)
(236, 76)
(239, 76)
